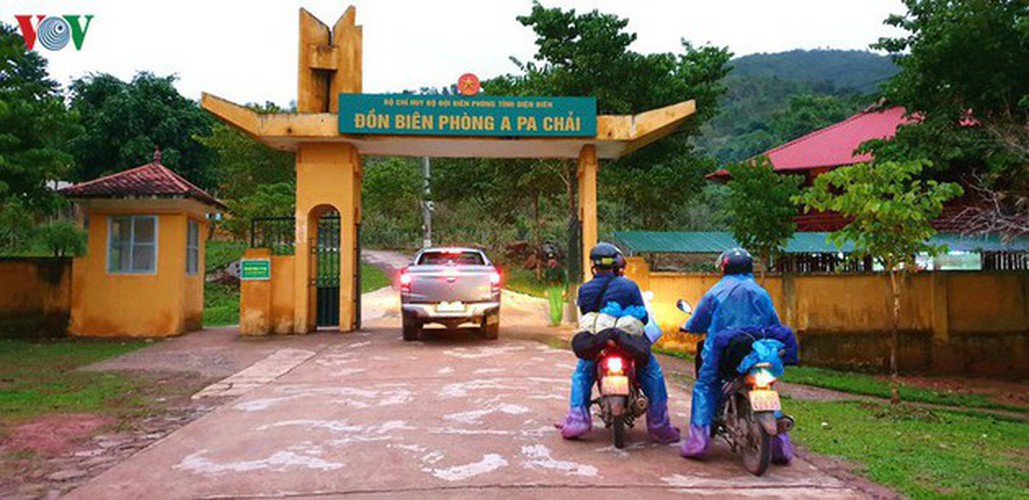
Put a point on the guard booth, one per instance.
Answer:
(335, 124)
(143, 271)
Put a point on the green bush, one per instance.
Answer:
(61, 239)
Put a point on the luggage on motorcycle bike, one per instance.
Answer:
(731, 358)
(588, 346)
(737, 349)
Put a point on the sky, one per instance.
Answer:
(246, 50)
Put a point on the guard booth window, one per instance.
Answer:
(192, 247)
(132, 244)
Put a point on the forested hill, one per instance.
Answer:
(774, 98)
(855, 70)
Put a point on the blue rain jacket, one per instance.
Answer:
(622, 290)
(622, 297)
(736, 302)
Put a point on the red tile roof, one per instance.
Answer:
(150, 180)
(834, 146)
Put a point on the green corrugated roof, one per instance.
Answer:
(635, 242)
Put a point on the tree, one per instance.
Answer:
(239, 162)
(62, 238)
(34, 125)
(588, 55)
(761, 208)
(964, 76)
(390, 191)
(890, 208)
(264, 200)
(123, 123)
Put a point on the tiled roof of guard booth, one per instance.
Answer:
(150, 180)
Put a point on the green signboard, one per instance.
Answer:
(255, 270)
(442, 115)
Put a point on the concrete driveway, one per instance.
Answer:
(367, 414)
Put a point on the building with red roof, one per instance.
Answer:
(836, 146)
(143, 271)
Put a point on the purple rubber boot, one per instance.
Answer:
(696, 444)
(659, 426)
(577, 423)
(782, 449)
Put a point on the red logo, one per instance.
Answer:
(468, 84)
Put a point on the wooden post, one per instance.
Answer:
(588, 204)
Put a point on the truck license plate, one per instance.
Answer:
(615, 385)
(764, 400)
(450, 307)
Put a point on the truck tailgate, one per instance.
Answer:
(450, 284)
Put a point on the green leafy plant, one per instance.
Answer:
(62, 238)
(890, 209)
(761, 208)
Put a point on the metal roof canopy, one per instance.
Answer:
(699, 242)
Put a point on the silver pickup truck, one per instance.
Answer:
(451, 287)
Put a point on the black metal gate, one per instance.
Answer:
(326, 254)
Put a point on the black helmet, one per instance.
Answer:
(736, 261)
(606, 256)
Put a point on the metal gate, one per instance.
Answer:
(325, 254)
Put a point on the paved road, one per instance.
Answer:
(367, 414)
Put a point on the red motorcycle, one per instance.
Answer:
(621, 401)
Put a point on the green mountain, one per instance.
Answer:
(854, 70)
(774, 98)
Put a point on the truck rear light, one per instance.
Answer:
(405, 281)
(494, 281)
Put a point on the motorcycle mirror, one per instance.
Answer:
(684, 306)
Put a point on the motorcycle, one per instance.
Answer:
(746, 417)
(621, 400)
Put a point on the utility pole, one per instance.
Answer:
(427, 205)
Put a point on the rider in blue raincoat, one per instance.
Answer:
(735, 303)
(610, 290)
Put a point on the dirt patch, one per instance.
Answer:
(54, 454)
(53, 434)
(1002, 392)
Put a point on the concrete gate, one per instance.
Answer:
(329, 142)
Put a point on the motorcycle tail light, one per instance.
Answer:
(615, 365)
(761, 378)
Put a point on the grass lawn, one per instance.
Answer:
(219, 254)
(372, 278)
(870, 385)
(919, 453)
(524, 281)
(37, 378)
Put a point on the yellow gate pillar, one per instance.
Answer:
(328, 174)
(588, 204)
(328, 177)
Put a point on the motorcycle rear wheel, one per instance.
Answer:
(757, 450)
(618, 431)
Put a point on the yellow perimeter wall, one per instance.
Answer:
(35, 296)
(963, 322)
(168, 302)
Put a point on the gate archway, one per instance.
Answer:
(328, 155)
